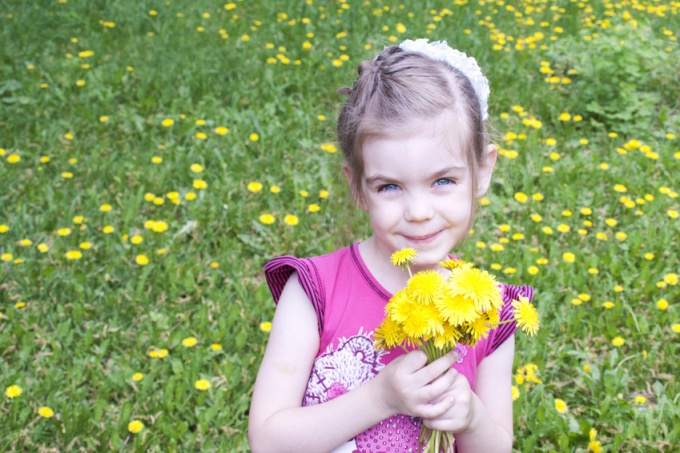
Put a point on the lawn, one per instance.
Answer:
(155, 155)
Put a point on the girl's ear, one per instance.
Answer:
(486, 170)
(358, 198)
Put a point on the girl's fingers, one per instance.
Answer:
(435, 369)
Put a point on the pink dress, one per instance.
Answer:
(349, 305)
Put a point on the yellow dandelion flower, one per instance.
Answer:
(254, 137)
(526, 315)
(313, 207)
(45, 412)
(671, 279)
(137, 377)
(618, 341)
(291, 220)
(568, 257)
(274, 189)
(478, 285)
(199, 184)
(141, 260)
(13, 158)
(561, 406)
(13, 391)
(196, 168)
(675, 328)
(404, 257)
(135, 426)
(221, 130)
(189, 342)
(425, 287)
(267, 219)
(215, 347)
(266, 326)
(521, 197)
(388, 335)
(167, 122)
(457, 309)
(254, 186)
(202, 384)
(73, 255)
(515, 393)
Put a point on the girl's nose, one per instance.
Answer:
(418, 209)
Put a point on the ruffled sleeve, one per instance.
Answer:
(505, 331)
(278, 271)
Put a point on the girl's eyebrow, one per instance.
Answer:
(380, 179)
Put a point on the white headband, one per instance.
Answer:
(440, 51)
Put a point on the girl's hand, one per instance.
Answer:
(460, 404)
(411, 387)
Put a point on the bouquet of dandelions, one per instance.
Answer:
(435, 312)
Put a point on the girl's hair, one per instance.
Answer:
(399, 87)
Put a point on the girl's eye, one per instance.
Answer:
(388, 188)
(444, 182)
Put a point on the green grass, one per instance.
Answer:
(89, 324)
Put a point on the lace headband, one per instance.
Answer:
(440, 51)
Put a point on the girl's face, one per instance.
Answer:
(418, 193)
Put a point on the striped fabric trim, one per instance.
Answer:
(505, 331)
(278, 271)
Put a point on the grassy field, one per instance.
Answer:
(155, 154)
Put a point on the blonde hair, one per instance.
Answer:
(398, 87)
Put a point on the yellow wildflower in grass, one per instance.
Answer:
(199, 184)
(618, 341)
(313, 207)
(189, 342)
(167, 122)
(533, 270)
(160, 226)
(671, 279)
(190, 196)
(214, 265)
(196, 168)
(20, 305)
(135, 426)
(43, 248)
(521, 197)
(675, 327)
(85, 245)
(515, 393)
(568, 257)
(266, 326)
(158, 353)
(142, 260)
(254, 186)
(215, 347)
(13, 391)
(673, 214)
(25, 242)
(137, 377)
(254, 137)
(13, 158)
(4, 228)
(329, 148)
(561, 406)
(221, 130)
(274, 189)
(73, 255)
(291, 220)
(640, 399)
(108, 229)
(45, 412)
(105, 207)
(267, 219)
(202, 384)
(136, 239)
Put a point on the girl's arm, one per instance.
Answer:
(278, 422)
(482, 420)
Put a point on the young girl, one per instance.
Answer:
(416, 159)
